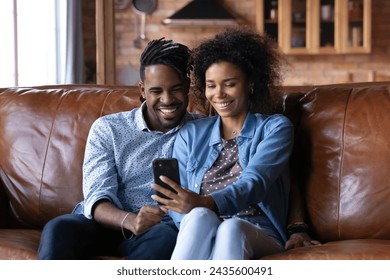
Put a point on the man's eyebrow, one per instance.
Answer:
(171, 87)
(155, 88)
(177, 85)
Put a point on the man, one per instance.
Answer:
(117, 215)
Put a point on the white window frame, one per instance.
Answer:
(30, 51)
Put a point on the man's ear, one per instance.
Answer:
(141, 87)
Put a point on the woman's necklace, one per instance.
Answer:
(229, 133)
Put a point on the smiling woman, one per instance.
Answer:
(234, 166)
(39, 50)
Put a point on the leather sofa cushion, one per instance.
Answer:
(358, 249)
(19, 244)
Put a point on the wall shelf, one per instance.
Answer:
(317, 26)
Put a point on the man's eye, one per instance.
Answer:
(210, 86)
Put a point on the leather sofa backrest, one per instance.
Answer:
(342, 160)
(43, 131)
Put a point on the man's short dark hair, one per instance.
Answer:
(166, 52)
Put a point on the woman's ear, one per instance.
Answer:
(187, 83)
(251, 84)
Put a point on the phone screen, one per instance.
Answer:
(167, 167)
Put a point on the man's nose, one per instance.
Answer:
(166, 98)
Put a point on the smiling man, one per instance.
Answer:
(117, 215)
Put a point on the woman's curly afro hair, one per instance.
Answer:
(256, 55)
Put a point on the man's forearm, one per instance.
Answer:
(107, 214)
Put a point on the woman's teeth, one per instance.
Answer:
(222, 105)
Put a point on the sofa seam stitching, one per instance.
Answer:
(63, 93)
(342, 161)
(104, 103)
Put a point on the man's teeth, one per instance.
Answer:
(167, 110)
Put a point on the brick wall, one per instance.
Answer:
(128, 22)
(308, 69)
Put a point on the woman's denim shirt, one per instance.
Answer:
(264, 146)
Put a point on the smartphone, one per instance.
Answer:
(168, 167)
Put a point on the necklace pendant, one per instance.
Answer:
(234, 132)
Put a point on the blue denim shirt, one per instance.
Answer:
(118, 160)
(264, 146)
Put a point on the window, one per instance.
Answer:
(34, 41)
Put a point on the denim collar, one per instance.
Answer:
(247, 131)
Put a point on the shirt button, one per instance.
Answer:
(196, 185)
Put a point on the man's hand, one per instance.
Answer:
(184, 200)
(107, 214)
(300, 239)
(147, 217)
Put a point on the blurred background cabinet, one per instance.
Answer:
(317, 26)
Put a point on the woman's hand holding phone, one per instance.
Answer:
(181, 200)
(169, 193)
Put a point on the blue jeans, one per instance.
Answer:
(203, 235)
(75, 237)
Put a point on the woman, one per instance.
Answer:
(233, 166)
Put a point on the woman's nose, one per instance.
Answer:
(219, 91)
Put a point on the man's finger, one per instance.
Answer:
(150, 209)
(164, 210)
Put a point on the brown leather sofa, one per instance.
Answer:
(341, 162)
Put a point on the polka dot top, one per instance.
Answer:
(224, 172)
